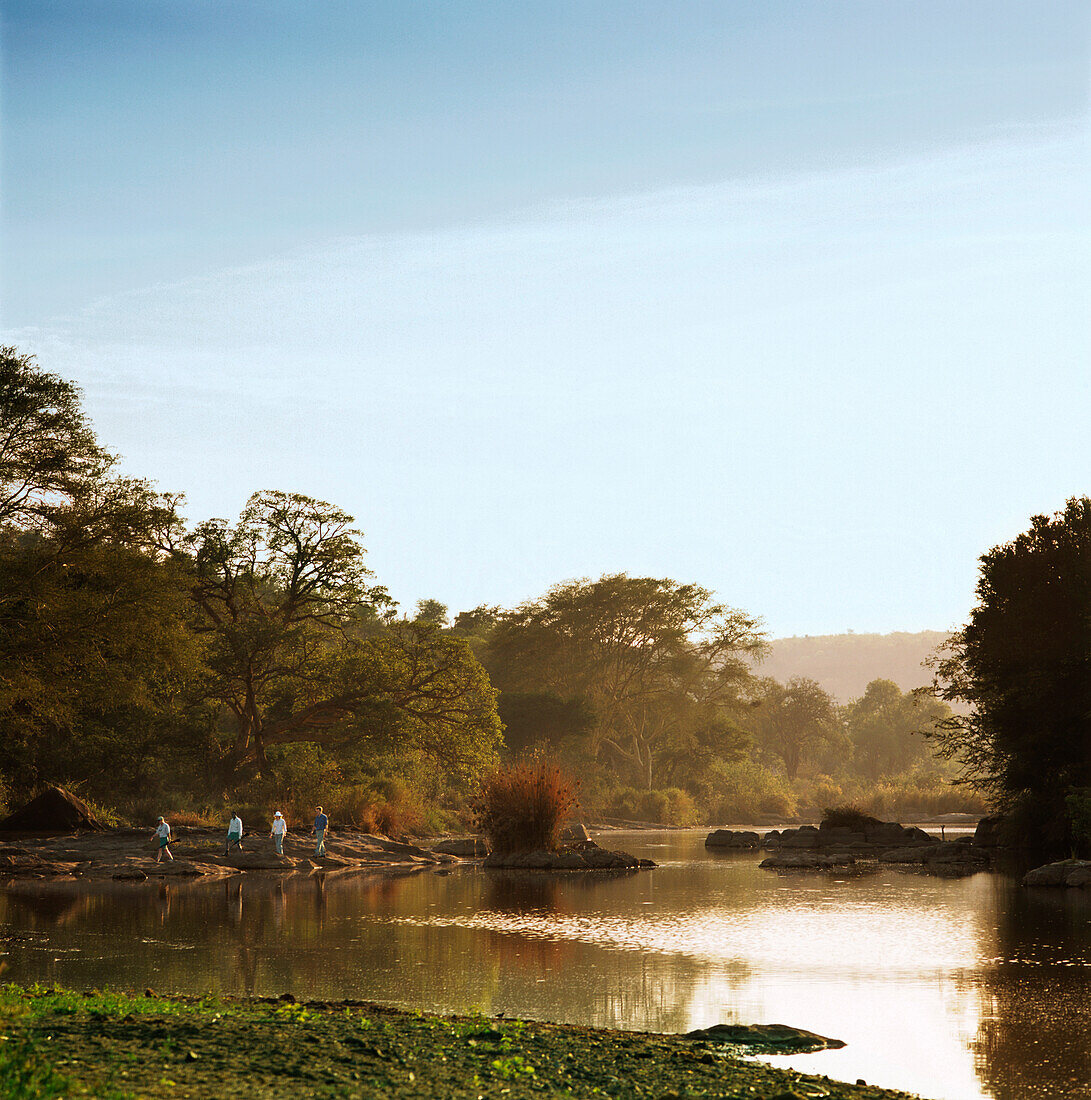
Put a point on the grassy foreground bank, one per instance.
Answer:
(59, 1043)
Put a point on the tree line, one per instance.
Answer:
(138, 652)
(141, 654)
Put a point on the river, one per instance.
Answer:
(955, 989)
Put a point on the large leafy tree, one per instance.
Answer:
(658, 662)
(95, 652)
(49, 456)
(793, 719)
(303, 648)
(1023, 664)
(887, 728)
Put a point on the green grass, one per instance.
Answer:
(109, 1044)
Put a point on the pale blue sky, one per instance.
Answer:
(788, 299)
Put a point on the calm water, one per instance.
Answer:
(953, 989)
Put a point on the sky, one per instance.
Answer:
(789, 299)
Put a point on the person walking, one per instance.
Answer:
(321, 824)
(279, 831)
(162, 834)
(234, 833)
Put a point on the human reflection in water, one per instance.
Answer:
(320, 899)
(233, 899)
(1034, 1039)
(162, 902)
(278, 906)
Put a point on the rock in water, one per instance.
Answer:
(55, 810)
(726, 838)
(766, 1038)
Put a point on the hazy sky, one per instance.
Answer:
(787, 299)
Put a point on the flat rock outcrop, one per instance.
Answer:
(55, 810)
(874, 835)
(728, 838)
(809, 861)
(129, 855)
(1066, 872)
(947, 859)
(587, 856)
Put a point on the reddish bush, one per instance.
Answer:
(521, 807)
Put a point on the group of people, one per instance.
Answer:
(278, 831)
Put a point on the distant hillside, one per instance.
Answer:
(844, 664)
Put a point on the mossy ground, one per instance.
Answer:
(59, 1043)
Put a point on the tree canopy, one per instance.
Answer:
(303, 648)
(659, 663)
(888, 727)
(1023, 663)
(792, 719)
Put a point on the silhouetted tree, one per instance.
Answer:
(1023, 663)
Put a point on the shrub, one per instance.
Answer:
(521, 807)
(848, 817)
(741, 791)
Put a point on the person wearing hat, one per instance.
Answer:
(279, 831)
(162, 834)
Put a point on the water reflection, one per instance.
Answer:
(950, 988)
(1034, 1038)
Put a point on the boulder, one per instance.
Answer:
(1067, 872)
(727, 838)
(988, 833)
(766, 1038)
(55, 810)
(573, 833)
(465, 847)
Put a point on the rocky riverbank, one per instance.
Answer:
(58, 1043)
(129, 854)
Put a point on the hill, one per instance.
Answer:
(844, 664)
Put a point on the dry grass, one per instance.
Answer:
(522, 807)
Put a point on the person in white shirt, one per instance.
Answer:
(234, 833)
(279, 831)
(162, 833)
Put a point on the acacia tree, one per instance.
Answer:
(792, 719)
(1023, 663)
(654, 659)
(303, 648)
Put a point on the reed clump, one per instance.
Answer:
(522, 806)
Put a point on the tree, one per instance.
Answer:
(48, 451)
(303, 649)
(431, 611)
(542, 720)
(653, 659)
(792, 719)
(95, 650)
(887, 728)
(1023, 663)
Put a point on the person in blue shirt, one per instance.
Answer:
(321, 824)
